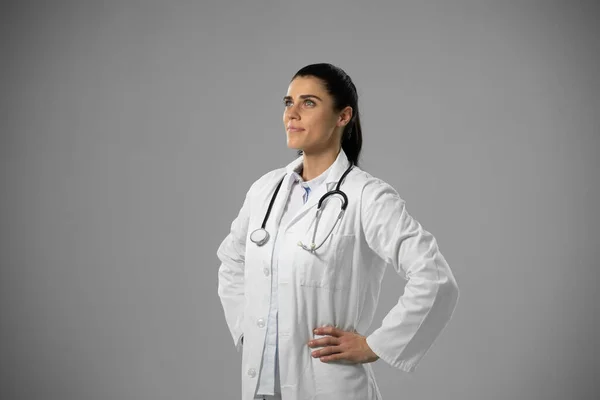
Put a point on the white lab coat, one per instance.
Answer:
(339, 285)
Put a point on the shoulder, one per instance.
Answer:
(265, 181)
(374, 189)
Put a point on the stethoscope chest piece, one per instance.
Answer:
(260, 236)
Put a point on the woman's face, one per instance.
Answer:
(310, 121)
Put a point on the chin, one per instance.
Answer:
(293, 145)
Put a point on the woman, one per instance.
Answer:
(298, 294)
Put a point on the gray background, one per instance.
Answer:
(130, 132)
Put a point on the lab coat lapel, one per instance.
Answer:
(280, 202)
(337, 170)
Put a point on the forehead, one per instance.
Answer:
(306, 85)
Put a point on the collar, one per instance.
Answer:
(336, 170)
(313, 183)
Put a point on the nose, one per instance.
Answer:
(291, 113)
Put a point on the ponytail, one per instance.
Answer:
(352, 140)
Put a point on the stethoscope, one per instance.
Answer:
(260, 236)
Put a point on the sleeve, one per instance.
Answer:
(231, 253)
(431, 292)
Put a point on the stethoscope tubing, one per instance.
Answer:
(313, 247)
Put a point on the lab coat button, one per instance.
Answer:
(252, 372)
(260, 323)
(266, 271)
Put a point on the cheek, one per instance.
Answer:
(320, 123)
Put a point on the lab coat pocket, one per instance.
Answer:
(330, 267)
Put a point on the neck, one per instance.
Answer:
(316, 163)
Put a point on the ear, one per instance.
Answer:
(345, 116)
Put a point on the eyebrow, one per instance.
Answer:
(302, 96)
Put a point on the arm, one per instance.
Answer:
(231, 252)
(431, 293)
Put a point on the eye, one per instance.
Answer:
(309, 102)
(287, 102)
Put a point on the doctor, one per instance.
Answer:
(302, 266)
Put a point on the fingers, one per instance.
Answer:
(329, 344)
(326, 351)
(329, 330)
(324, 341)
(335, 357)
(332, 348)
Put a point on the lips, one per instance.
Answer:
(294, 129)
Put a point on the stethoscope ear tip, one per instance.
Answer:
(311, 249)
